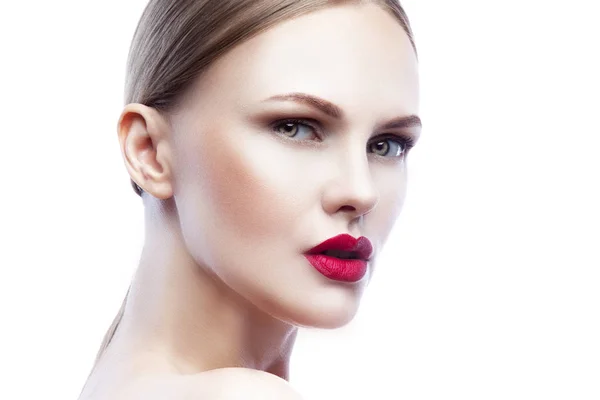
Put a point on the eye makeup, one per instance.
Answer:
(403, 142)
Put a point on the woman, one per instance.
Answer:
(268, 140)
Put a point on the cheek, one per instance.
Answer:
(243, 184)
(245, 192)
(392, 189)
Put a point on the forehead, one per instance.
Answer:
(357, 56)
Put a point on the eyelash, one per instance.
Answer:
(405, 142)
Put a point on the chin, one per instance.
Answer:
(323, 308)
(332, 320)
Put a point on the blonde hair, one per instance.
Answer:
(176, 40)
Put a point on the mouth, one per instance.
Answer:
(344, 255)
(342, 258)
(345, 247)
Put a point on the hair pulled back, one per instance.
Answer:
(176, 40)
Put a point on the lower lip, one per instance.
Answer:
(337, 268)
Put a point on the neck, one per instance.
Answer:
(185, 316)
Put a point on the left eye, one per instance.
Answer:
(295, 129)
(388, 147)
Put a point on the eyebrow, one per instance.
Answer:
(321, 104)
(334, 111)
(411, 121)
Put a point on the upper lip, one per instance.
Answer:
(344, 242)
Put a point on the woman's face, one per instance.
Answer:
(283, 144)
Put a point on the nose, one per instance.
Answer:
(352, 190)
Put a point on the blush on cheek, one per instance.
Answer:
(244, 190)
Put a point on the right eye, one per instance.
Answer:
(296, 129)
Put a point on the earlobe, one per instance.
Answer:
(142, 137)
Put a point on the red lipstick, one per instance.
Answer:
(341, 258)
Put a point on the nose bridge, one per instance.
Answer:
(352, 189)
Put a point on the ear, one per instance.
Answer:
(143, 134)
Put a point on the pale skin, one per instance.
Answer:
(232, 203)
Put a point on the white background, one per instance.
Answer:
(489, 287)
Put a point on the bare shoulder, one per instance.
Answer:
(220, 384)
(243, 383)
